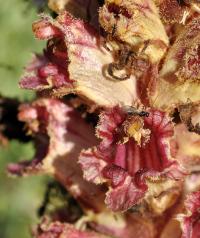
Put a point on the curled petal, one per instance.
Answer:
(125, 194)
(58, 230)
(33, 81)
(191, 222)
(44, 29)
(60, 134)
(129, 166)
(47, 71)
(179, 76)
(87, 62)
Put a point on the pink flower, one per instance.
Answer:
(60, 134)
(79, 61)
(129, 165)
(191, 221)
(140, 73)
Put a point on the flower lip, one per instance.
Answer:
(127, 164)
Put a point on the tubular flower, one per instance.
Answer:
(134, 64)
(83, 58)
(60, 135)
(134, 153)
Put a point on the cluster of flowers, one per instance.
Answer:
(134, 64)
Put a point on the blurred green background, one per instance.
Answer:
(19, 197)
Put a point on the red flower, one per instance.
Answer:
(191, 221)
(130, 167)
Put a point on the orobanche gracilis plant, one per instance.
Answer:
(116, 119)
